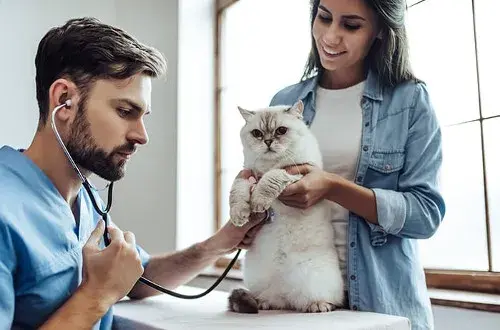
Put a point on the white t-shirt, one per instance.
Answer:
(337, 127)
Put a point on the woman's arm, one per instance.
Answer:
(415, 210)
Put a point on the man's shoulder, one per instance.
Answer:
(11, 182)
(15, 190)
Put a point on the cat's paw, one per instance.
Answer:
(240, 212)
(260, 203)
(264, 305)
(320, 307)
(295, 178)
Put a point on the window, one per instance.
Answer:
(489, 71)
(460, 50)
(451, 49)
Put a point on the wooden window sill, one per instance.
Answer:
(463, 299)
(469, 281)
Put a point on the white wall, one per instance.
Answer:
(147, 195)
(145, 200)
(195, 122)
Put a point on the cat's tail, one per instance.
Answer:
(242, 301)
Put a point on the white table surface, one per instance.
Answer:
(210, 312)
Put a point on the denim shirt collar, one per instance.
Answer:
(373, 87)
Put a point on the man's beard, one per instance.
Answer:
(85, 152)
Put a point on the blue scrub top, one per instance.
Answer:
(40, 244)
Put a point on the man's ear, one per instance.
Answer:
(63, 91)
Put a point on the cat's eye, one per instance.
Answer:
(281, 130)
(257, 134)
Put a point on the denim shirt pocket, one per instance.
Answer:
(383, 169)
(387, 161)
(383, 172)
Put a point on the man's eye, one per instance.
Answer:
(123, 112)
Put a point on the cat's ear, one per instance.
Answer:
(297, 109)
(246, 114)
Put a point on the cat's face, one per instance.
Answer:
(272, 133)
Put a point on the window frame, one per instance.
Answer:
(470, 281)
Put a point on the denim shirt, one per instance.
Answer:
(399, 160)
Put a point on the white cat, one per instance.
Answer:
(293, 263)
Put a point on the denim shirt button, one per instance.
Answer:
(367, 124)
(387, 167)
(353, 244)
(353, 277)
(365, 148)
(359, 179)
(355, 307)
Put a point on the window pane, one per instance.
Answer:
(460, 242)
(492, 153)
(261, 56)
(442, 52)
(487, 43)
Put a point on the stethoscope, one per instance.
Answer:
(104, 214)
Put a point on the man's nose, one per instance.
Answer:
(139, 134)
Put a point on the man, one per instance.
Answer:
(54, 270)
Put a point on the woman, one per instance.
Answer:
(381, 144)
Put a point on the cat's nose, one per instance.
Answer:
(268, 142)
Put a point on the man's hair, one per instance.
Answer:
(85, 50)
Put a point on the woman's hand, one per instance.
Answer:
(315, 186)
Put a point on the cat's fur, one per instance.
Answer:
(292, 263)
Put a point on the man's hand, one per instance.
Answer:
(246, 174)
(315, 186)
(230, 237)
(111, 273)
(108, 275)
